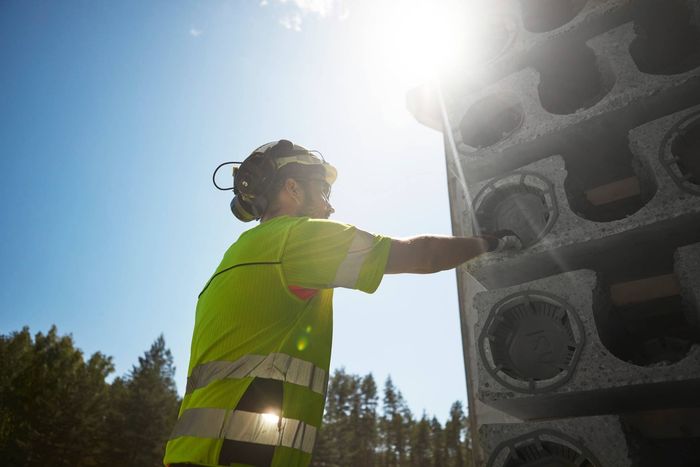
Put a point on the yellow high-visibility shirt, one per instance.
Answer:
(266, 316)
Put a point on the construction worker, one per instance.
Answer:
(261, 345)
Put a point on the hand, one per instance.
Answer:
(507, 240)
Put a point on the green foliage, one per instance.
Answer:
(455, 430)
(396, 424)
(368, 422)
(438, 443)
(349, 431)
(57, 409)
(420, 443)
(354, 434)
(53, 402)
(145, 407)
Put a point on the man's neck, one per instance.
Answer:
(276, 213)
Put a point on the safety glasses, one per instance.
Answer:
(319, 186)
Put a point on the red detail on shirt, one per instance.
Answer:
(302, 292)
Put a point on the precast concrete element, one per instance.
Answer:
(508, 43)
(549, 348)
(687, 269)
(577, 129)
(583, 442)
(533, 202)
(571, 89)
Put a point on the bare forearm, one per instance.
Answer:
(427, 254)
(450, 252)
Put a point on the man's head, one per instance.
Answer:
(281, 178)
(299, 190)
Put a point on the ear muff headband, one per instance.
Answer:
(309, 159)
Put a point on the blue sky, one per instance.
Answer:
(114, 115)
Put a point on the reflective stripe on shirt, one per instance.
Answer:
(277, 366)
(245, 426)
(349, 270)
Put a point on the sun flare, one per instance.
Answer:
(417, 40)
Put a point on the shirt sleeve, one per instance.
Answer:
(324, 254)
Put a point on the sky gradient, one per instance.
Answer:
(114, 115)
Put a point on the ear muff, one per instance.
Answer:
(243, 210)
(250, 184)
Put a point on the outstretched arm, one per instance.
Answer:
(427, 254)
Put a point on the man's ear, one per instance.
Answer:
(293, 189)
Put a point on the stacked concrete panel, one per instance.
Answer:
(551, 348)
(587, 442)
(516, 120)
(563, 240)
(581, 133)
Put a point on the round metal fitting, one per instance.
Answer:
(542, 448)
(679, 153)
(490, 120)
(531, 342)
(523, 202)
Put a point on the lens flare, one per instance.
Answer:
(302, 343)
(271, 418)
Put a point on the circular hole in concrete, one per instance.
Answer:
(570, 79)
(496, 36)
(660, 351)
(532, 340)
(605, 181)
(520, 208)
(667, 41)
(547, 15)
(685, 147)
(542, 453)
(542, 448)
(652, 333)
(490, 120)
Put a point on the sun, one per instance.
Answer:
(406, 44)
(417, 40)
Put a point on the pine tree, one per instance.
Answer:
(146, 404)
(368, 422)
(53, 401)
(437, 439)
(336, 442)
(468, 456)
(354, 424)
(354, 435)
(406, 428)
(396, 425)
(388, 424)
(454, 429)
(420, 443)
(349, 431)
